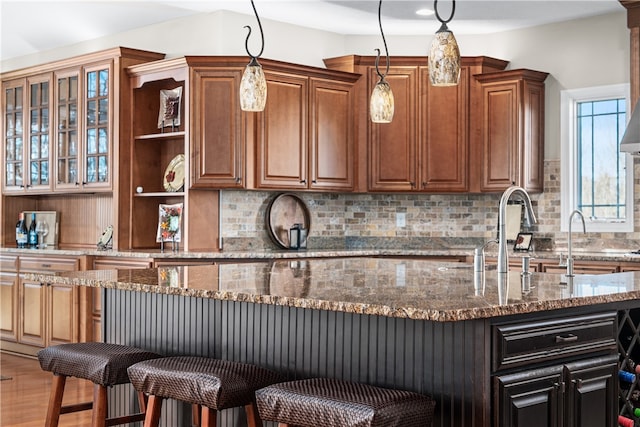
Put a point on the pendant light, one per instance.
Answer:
(253, 87)
(444, 55)
(381, 105)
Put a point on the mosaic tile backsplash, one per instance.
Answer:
(346, 221)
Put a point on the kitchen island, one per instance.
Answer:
(547, 355)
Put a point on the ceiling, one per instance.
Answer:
(28, 27)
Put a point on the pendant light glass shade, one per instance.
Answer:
(444, 55)
(253, 87)
(381, 106)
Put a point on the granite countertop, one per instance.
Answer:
(404, 288)
(578, 255)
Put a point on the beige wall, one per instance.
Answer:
(580, 53)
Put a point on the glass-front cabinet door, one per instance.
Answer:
(13, 125)
(27, 127)
(97, 126)
(38, 154)
(67, 130)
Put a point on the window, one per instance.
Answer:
(596, 178)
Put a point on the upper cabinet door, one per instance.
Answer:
(67, 129)
(331, 135)
(281, 148)
(13, 125)
(218, 137)
(444, 134)
(98, 126)
(512, 130)
(393, 160)
(39, 138)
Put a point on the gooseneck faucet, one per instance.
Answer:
(503, 256)
(570, 255)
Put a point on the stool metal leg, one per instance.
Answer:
(55, 400)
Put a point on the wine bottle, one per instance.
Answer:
(627, 377)
(33, 235)
(624, 421)
(21, 232)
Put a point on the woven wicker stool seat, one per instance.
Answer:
(211, 384)
(328, 402)
(101, 363)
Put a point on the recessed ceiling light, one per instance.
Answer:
(424, 12)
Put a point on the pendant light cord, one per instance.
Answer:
(384, 40)
(246, 42)
(453, 11)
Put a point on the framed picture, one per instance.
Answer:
(170, 100)
(523, 242)
(169, 222)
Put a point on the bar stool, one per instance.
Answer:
(211, 384)
(101, 363)
(337, 403)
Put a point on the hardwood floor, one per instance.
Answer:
(24, 397)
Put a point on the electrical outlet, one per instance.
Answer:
(401, 275)
(401, 219)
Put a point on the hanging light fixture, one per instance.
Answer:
(444, 55)
(253, 87)
(381, 105)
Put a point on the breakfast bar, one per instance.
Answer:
(549, 348)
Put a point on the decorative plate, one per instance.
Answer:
(174, 174)
(285, 210)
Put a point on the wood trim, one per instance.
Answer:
(82, 60)
(633, 12)
(633, 23)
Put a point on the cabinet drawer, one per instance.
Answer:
(8, 263)
(517, 344)
(48, 264)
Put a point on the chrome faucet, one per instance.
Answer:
(503, 256)
(570, 255)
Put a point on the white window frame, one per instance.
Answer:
(568, 159)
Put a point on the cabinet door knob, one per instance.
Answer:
(304, 181)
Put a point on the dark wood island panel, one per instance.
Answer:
(446, 360)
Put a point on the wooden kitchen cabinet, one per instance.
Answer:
(65, 125)
(218, 142)
(37, 315)
(427, 146)
(581, 267)
(305, 136)
(512, 130)
(9, 297)
(27, 140)
(574, 395)
(556, 372)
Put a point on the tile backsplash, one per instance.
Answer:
(340, 221)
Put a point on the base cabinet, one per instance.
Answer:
(580, 394)
(8, 297)
(36, 315)
(529, 399)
